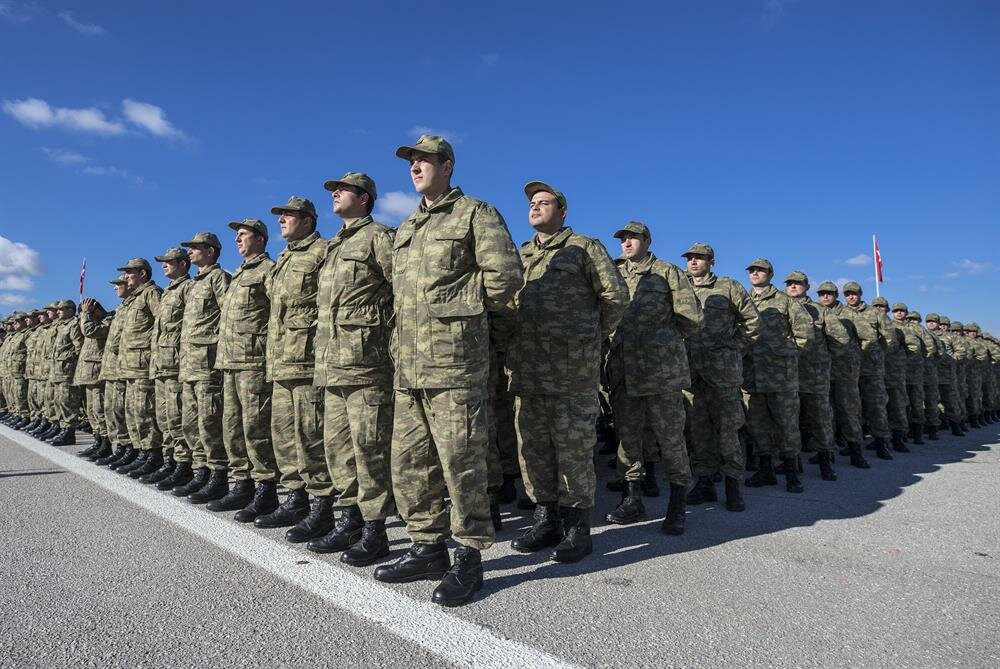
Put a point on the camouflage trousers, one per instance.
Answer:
(989, 392)
(36, 398)
(556, 435)
(714, 418)
(663, 415)
(246, 425)
(201, 419)
(66, 404)
(297, 436)
(357, 430)
(140, 414)
(974, 402)
(501, 456)
(93, 402)
(114, 412)
(916, 395)
(873, 405)
(773, 419)
(167, 393)
(932, 415)
(896, 409)
(439, 439)
(816, 421)
(17, 397)
(950, 402)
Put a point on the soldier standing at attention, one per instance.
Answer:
(895, 379)
(15, 357)
(95, 322)
(873, 396)
(114, 385)
(67, 341)
(932, 414)
(647, 371)
(453, 263)
(916, 351)
(947, 372)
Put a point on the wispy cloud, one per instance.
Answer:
(972, 267)
(150, 118)
(489, 59)
(18, 263)
(952, 275)
(16, 283)
(394, 206)
(88, 29)
(773, 11)
(17, 13)
(36, 113)
(858, 260)
(13, 299)
(935, 288)
(450, 135)
(87, 165)
(65, 156)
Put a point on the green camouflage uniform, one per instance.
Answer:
(947, 373)
(916, 352)
(114, 385)
(873, 396)
(980, 364)
(453, 262)
(895, 378)
(845, 387)
(88, 369)
(647, 367)
(246, 405)
(353, 365)
(16, 357)
(165, 365)
(932, 346)
(67, 340)
(41, 390)
(137, 314)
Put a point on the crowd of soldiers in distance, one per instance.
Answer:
(421, 370)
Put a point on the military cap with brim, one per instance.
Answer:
(956, 326)
(207, 238)
(852, 287)
(827, 287)
(880, 302)
(635, 227)
(297, 204)
(254, 224)
(798, 277)
(932, 318)
(913, 316)
(53, 305)
(972, 327)
(66, 304)
(899, 306)
(943, 320)
(173, 253)
(533, 187)
(356, 179)
(136, 263)
(118, 280)
(762, 263)
(433, 144)
(699, 249)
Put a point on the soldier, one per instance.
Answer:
(714, 404)
(830, 342)
(297, 405)
(354, 368)
(164, 366)
(963, 359)
(246, 403)
(647, 371)
(15, 358)
(947, 372)
(39, 366)
(895, 379)
(67, 340)
(94, 323)
(916, 352)
(201, 392)
(771, 377)
(114, 385)
(979, 364)
(872, 381)
(932, 345)
(453, 263)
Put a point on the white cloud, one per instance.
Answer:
(860, 259)
(36, 113)
(16, 283)
(12, 299)
(18, 262)
(450, 135)
(394, 206)
(88, 29)
(489, 59)
(773, 11)
(65, 156)
(16, 13)
(952, 275)
(973, 267)
(924, 288)
(149, 117)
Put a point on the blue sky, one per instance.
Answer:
(792, 130)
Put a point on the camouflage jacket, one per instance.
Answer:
(830, 342)
(573, 298)
(67, 340)
(647, 354)
(873, 358)
(731, 326)
(896, 362)
(17, 355)
(961, 351)
(40, 352)
(245, 311)
(137, 314)
(848, 367)
(933, 354)
(165, 341)
(947, 364)
(200, 331)
(112, 346)
(291, 326)
(453, 262)
(786, 328)
(916, 351)
(355, 307)
(95, 335)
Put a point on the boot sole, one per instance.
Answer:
(364, 563)
(463, 600)
(428, 576)
(625, 521)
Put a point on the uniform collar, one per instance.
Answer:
(303, 243)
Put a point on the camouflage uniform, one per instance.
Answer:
(67, 340)
(916, 352)
(15, 358)
(88, 369)
(114, 384)
(947, 372)
(164, 363)
(137, 314)
(895, 376)
(980, 366)
(932, 348)
(872, 381)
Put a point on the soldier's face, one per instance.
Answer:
(971, 335)
(121, 289)
(634, 246)
(699, 265)
(428, 174)
(899, 315)
(200, 255)
(173, 268)
(931, 325)
(795, 288)
(294, 225)
(759, 277)
(884, 310)
(347, 203)
(827, 298)
(544, 212)
(67, 312)
(852, 298)
(944, 327)
(53, 314)
(249, 243)
(135, 277)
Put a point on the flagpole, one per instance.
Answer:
(875, 260)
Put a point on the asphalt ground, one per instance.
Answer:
(896, 566)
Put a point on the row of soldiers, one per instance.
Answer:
(421, 370)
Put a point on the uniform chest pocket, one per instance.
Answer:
(449, 247)
(352, 264)
(302, 278)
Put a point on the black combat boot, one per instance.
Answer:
(119, 452)
(956, 429)
(153, 463)
(507, 493)
(673, 522)
(765, 473)
(546, 530)
(318, 522)
(54, 429)
(215, 488)
(881, 450)
(196, 483)
(373, 546)
(265, 501)
(43, 425)
(463, 580)
(916, 433)
(703, 491)
(105, 450)
(292, 510)
(792, 482)
(857, 458)
(576, 543)
(22, 424)
(93, 448)
(932, 433)
(422, 562)
(137, 462)
(181, 476)
(650, 488)
(346, 532)
(615, 485)
(826, 466)
(239, 495)
(630, 509)
(897, 442)
(66, 437)
(495, 516)
(31, 426)
(164, 471)
(734, 499)
(128, 458)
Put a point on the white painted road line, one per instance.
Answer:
(425, 624)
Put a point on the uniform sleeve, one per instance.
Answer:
(496, 257)
(838, 339)
(220, 284)
(747, 318)
(929, 348)
(382, 250)
(865, 329)
(689, 319)
(76, 336)
(153, 301)
(608, 285)
(801, 324)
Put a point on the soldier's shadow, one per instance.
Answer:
(770, 509)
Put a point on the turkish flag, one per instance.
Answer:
(878, 263)
(83, 274)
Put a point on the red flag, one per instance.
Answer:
(83, 274)
(878, 262)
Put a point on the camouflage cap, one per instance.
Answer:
(254, 224)
(699, 249)
(913, 316)
(932, 318)
(797, 277)
(356, 179)
(943, 320)
(828, 287)
(899, 306)
(634, 227)
(53, 305)
(118, 280)
(66, 304)
(533, 187)
(762, 263)
(207, 238)
(137, 263)
(297, 204)
(433, 144)
(173, 253)
(852, 287)
(880, 302)
(956, 326)
(972, 327)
